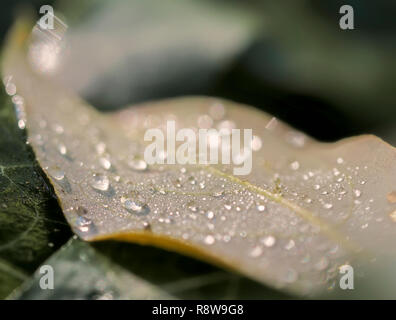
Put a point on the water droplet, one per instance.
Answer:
(58, 129)
(290, 245)
(83, 224)
(209, 239)
(100, 147)
(218, 194)
(260, 207)
(357, 193)
(256, 252)
(135, 206)
(295, 165)
(105, 163)
(268, 241)
(62, 149)
(192, 207)
(256, 143)
(340, 160)
(392, 215)
(210, 214)
(100, 182)
(217, 111)
(10, 88)
(227, 206)
(327, 206)
(138, 164)
(316, 187)
(192, 180)
(21, 124)
(56, 173)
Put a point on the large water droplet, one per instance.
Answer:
(135, 206)
(100, 182)
(56, 173)
(84, 224)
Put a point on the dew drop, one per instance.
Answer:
(210, 214)
(84, 224)
(392, 215)
(269, 241)
(260, 207)
(100, 182)
(100, 147)
(62, 149)
(218, 194)
(217, 111)
(256, 143)
(21, 124)
(105, 163)
(56, 173)
(209, 239)
(295, 165)
(135, 206)
(138, 164)
(357, 193)
(290, 245)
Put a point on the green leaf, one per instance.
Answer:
(306, 209)
(31, 224)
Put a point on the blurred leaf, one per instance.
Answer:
(151, 49)
(306, 209)
(114, 270)
(80, 272)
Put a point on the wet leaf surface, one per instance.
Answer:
(305, 209)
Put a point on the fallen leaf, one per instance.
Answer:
(305, 209)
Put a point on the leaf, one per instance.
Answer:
(31, 224)
(306, 209)
(114, 270)
(151, 47)
(82, 273)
